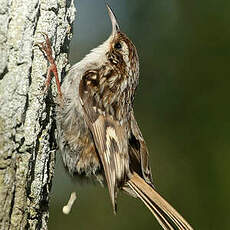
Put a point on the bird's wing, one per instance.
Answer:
(114, 150)
(138, 151)
(109, 136)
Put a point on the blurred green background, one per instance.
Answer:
(182, 106)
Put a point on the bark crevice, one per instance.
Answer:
(27, 118)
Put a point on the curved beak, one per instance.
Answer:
(115, 26)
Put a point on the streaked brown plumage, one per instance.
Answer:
(98, 135)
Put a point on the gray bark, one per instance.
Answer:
(27, 124)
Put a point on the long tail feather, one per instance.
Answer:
(165, 214)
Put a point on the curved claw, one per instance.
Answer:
(44, 46)
(43, 33)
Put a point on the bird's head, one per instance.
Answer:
(121, 51)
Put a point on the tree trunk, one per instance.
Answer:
(27, 124)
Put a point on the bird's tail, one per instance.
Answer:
(165, 214)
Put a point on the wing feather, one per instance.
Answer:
(109, 136)
(138, 150)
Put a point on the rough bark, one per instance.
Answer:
(27, 124)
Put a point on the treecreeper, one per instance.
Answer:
(97, 133)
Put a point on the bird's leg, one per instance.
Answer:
(46, 48)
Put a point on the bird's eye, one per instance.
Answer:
(117, 46)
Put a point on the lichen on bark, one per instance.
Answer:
(27, 114)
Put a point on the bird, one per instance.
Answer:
(97, 133)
